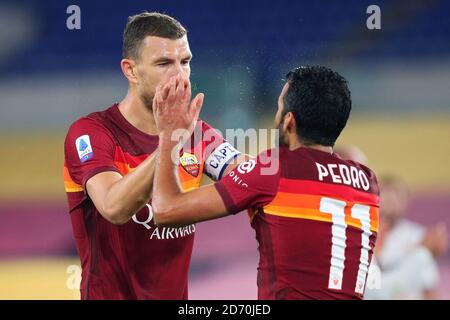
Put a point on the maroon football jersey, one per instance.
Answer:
(136, 260)
(316, 221)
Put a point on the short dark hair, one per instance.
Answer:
(320, 101)
(146, 24)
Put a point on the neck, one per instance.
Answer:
(139, 115)
(296, 143)
(320, 148)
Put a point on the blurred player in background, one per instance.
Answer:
(406, 251)
(109, 167)
(348, 152)
(315, 214)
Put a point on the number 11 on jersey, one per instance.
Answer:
(338, 241)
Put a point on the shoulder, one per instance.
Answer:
(93, 123)
(368, 173)
(205, 132)
(203, 125)
(85, 122)
(87, 128)
(252, 184)
(374, 187)
(269, 156)
(88, 132)
(264, 168)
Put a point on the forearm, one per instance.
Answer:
(167, 188)
(129, 194)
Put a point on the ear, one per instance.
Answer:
(128, 67)
(289, 124)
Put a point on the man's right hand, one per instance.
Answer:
(173, 108)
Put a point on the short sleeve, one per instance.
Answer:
(219, 153)
(88, 150)
(252, 184)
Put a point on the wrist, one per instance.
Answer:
(165, 136)
(169, 150)
(166, 140)
(167, 146)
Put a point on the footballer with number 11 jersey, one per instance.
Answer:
(315, 215)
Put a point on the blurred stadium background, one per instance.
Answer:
(50, 76)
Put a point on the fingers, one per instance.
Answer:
(187, 90)
(196, 106)
(181, 87)
(156, 99)
(175, 93)
(164, 92)
(172, 88)
(159, 94)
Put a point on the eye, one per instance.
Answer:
(185, 62)
(162, 64)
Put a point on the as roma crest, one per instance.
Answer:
(190, 163)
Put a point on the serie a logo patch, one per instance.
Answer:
(190, 163)
(84, 148)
